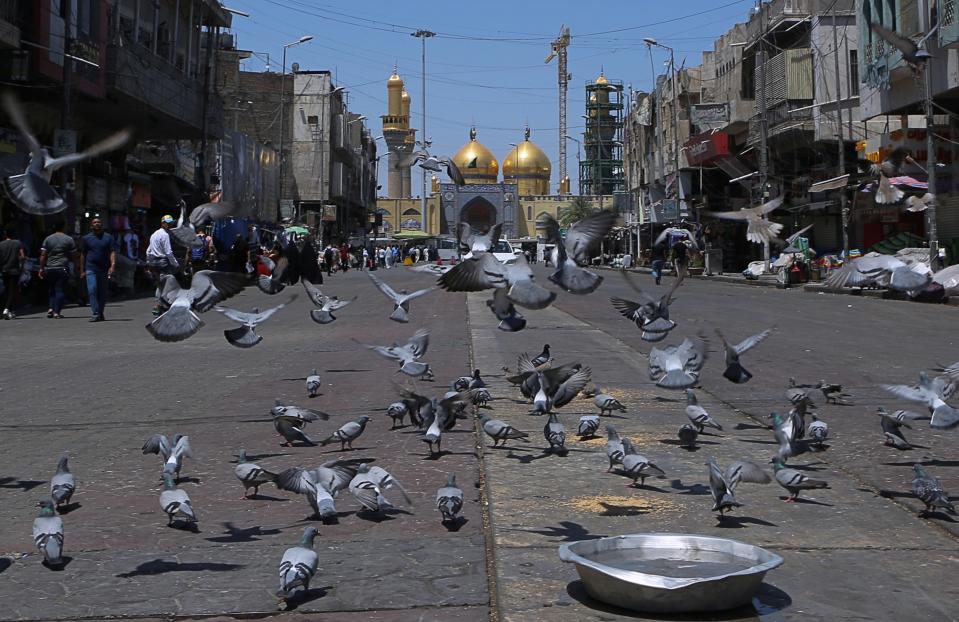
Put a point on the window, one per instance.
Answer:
(854, 71)
(313, 120)
(529, 212)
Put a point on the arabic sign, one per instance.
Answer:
(709, 116)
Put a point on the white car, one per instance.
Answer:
(503, 251)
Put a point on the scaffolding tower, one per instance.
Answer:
(601, 172)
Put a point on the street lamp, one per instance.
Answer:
(423, 34)
(351, 121)
(675, 104)
(302, 39)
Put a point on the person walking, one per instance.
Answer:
(658, 260)
(160, 259)
(56, 253)
(12, 259)
(98, 260)
(366, 259)
(344, 258)
(328, 254)
(680, 258)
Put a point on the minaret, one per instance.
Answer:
(398, 136)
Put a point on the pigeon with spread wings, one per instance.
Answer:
(486, 272)
(575, 249)
(207, 288)
(401, 300)
(677, 367)
(649, 314)
(245, 336)
(734, 371)
(759, 230)
(408, 355)
(31, 190)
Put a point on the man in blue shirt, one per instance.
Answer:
(98, 258)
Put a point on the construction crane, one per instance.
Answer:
(558, 49)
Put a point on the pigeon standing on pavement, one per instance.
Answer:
(297, 567)
(63, 484)
(449, 499)
(588, 425)
(687, 436)
(555, 434)
(48, 534)
(251, 475)
(245, 336)
(175, 502)
(698, 415)
(614, 447)
(636, 466)
(542, 358)
(818, 432)
(397, 412)
(401, 300)
(31, 190)
(313, 383)
(171, 452)
(723, 485)
(929, 490)
(347, 433)
(795, 482)
(464, 383)
(574, 250)
(677, 367)
(207, 288)
(500, 431)
(734, 371)
(607, 404)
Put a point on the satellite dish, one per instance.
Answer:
(295, 67)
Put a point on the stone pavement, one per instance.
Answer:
(855, 551)
(100, 390)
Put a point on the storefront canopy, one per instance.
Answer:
(412, 235)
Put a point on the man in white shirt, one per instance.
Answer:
(160, 258)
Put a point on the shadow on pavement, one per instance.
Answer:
(768, 601)
(568, 531)
(159, 566)
(249, 534)
(22, 484)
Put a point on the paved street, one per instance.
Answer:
(855, 551)
(100, 390)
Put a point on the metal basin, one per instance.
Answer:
(670, 573)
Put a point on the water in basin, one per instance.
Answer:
(679, 564)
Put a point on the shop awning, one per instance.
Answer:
(830, 184)
(412, 235)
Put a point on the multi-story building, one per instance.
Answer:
(327, 172)
(892, 95)
(87, 68)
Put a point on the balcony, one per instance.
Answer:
(11, 16)
(144, 82)
(780, 119)
(949, 24)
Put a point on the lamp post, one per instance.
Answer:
(675, 105)
(302, 39)
(423, 35)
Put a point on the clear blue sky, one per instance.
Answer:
(486, 64)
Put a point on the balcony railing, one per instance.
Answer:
(782, 117)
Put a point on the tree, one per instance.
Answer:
(578, 209)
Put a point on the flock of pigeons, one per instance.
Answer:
(548, 386)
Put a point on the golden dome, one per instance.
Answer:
(477, 163)
(602, 79)
(528, 167)
(395, 78)
(405, 96)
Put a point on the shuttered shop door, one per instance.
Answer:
(947, 217)
(825, 236)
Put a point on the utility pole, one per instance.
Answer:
(559, 46)
(931, 228)
(67, 71)
(423, 35)
(839, 136)
(675, 90)
(659, 116)
(283, 159)
(763, 138)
